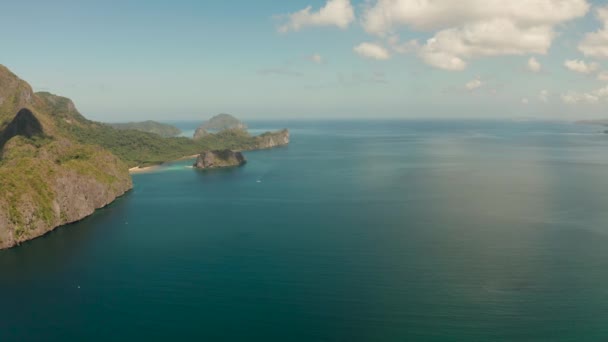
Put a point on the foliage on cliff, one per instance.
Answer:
(47, 178)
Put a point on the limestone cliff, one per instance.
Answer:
(271, 140)
(219, 159)
(47, 179)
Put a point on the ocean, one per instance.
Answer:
(414, 230)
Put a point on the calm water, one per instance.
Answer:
(358, 231)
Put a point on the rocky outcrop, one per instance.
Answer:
(200, 133)
(219, 159)
(14, 95)
(47, 178)
(271, 140)
(56, 184)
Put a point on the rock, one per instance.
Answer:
(200, 133)
(219, 159)
(272, 139)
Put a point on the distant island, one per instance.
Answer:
(223, 122)
(57, 167)
(164, 130)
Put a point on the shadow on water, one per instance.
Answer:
(58, 248)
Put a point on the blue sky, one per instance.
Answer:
(167, 60)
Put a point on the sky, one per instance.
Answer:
(311, 59)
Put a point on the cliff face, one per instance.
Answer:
(200, 133)
(272, 139)
(46, 178)
(219, 159)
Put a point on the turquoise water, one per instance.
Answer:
(358, 231)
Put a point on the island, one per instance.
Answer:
(219, 159)
(58, 167)
(223, 122)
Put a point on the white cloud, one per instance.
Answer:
(534, 65)
(525, 101)
(316, 58)
(595, 44)
(338, 13)
(467, 29)
(474, 84)
(544, 96)
(603, 76)
(593, 97)
(581, 66)
(373, 51)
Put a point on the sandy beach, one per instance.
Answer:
(138, 169)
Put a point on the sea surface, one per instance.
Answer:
(358, 231)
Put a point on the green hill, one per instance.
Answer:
(223, 122)
(164, 130)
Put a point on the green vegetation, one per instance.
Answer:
(164, 130)
(24, 179)
(43, 169)
(144, 149)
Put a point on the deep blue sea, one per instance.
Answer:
(358, 231)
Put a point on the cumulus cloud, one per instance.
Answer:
(316, 58)
(592, 97)
(474, 84)
(467, 29)
(372, 50)
(534, 65)
(595, 44)
(581, 66)
(339, 13)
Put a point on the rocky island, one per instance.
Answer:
(219, 159)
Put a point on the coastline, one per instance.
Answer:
(137, 169)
